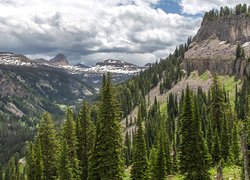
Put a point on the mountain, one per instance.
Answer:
(41, 60)
(28, 88)
(214, 46)
(59, 59)
(117, 66)
(79, 65)
(14, 59)
(115, 63)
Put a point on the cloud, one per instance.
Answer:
(92, 30)
(200, 6)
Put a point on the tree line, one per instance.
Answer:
(227, 11)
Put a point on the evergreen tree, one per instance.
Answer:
(11, 173)
(202, 156)
(225, 145)
(65, 170)
(160, 169)
(216, 152)
(140, 165)
(235, 147)
(69, 141)
(85, 135)
(39, 168)
(152, 162)
(109, 162)
(128, 149)
(209, 137)
(194, 156)
(95, 156)
(49, 146)
(217, 106)
(30, 161)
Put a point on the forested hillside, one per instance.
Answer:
(193, 134)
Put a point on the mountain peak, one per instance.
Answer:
(59, 59)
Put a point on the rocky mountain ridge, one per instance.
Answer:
(214, 46)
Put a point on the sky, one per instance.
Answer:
(89, 31)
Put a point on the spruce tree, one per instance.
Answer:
(109, 162)
(39, 167)
(127, 149)
(140, 164)
(95, 156)
(30, 161)
(65, 170)
(160, 169)
(187, 141)
(69, 138)
(11, 173)
(217, 106)
(49, 146)
(216, 152)
(194, 156)
(202, 156)
(85, 132)
(235, 147)
(225, 145)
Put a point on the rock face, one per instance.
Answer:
(60, 59)
(214, 46)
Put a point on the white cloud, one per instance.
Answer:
(92, 30)
(200, 6)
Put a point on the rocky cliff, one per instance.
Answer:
(214, 46)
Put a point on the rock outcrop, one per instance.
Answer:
(60, 59)
(214, 46)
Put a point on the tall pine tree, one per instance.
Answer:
(108, 145)
(69, 143)
(85, 132)
(194, 156)
(49, 146)
(140, 165)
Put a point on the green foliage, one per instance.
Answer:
(226, 11)
(68, 149)
(217, 105)
(166, 72)
(216, 152)
(160, 167)
(194, 156)
(65, 169)
(128, 149)
(85, 132)
(109, 142)
(47, 136)
(235, 147)
(140, 164)
(11, 173)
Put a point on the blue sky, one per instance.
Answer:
(171, 6)
(88, 31)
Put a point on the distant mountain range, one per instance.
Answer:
(47, 81)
